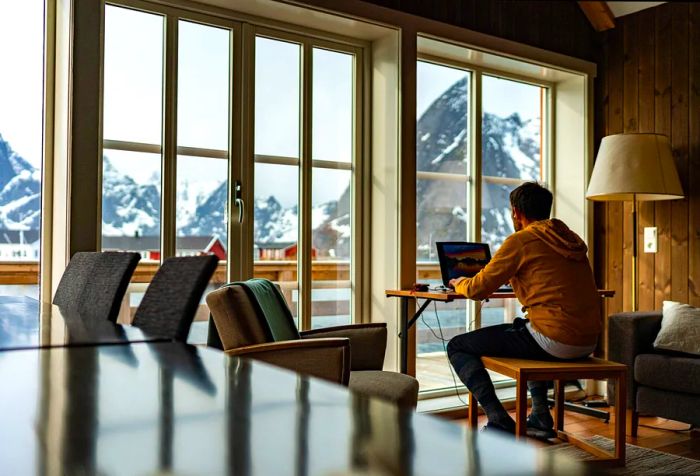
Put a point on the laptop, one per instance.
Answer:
(461, 258)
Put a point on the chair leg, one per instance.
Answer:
(473, 412)
(632, 422)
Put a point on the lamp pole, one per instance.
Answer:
(634, 252)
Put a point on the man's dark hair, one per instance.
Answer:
(533, 200)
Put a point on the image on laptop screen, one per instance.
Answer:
(461, 259)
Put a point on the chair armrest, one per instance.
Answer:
(631, 334)
(328, 359)
(367, 343)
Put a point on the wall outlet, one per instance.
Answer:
(650, 239)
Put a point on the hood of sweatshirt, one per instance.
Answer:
(560, 238)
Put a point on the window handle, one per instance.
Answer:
(238, 200)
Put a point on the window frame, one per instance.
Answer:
(306, 163)
(241, 143)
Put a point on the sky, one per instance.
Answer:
(133, 104)
(21, 80)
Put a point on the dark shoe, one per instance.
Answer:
(496, 429)
(540, 426)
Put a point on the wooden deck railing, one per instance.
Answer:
(27, 272)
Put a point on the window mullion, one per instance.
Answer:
(169, 160)
(476, 185)
(305, 170)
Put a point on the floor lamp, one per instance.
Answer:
(634, 167)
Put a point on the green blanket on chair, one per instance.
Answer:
(274, 308)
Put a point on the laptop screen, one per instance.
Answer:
(458, 258)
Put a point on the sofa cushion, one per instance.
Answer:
(668, 372)
(398, 388)
(680, 328)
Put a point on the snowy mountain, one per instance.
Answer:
(128, 208)
(20, 191)
(510, 149)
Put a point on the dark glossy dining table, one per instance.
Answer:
(169, 408)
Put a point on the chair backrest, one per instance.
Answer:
(94, 283)
(171, 300)
(249, 313)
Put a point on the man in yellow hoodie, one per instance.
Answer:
(546, 264)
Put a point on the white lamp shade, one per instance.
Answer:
(634, 166)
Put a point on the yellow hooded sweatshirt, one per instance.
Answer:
(547, 267)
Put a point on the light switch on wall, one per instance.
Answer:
(650, 239)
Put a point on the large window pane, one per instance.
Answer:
(331, 247)
(203, 86)
(276, 228)
(21, 140)
(442, 132)
(201, 206)
(511, 128)
(332, 130)
(277, 97)
(133, 75)
(131, 197)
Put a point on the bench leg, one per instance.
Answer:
(520, 407)
(558, 405)
(473, 411)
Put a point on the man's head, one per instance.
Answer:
(529, 202)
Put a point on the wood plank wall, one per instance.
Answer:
(558, 26)
(649, 81)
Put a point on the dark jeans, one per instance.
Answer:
(504, 340)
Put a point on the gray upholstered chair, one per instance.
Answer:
(660, 383)
(171, 300)
(93, 284)
(252, 319)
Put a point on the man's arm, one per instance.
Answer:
(498, 271)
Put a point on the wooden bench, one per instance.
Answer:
(523, 370)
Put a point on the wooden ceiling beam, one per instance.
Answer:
(599, 14)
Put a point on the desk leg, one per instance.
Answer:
(473, 411)
(404, 335)
(558, 405)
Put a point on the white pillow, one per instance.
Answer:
(680, 328)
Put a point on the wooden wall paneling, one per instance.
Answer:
(662, 125)
(615, 223)
(645, 123)
(630, 103)
(694, 158)
(679, 142)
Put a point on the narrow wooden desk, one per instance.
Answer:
(168, 408)
(442, 296)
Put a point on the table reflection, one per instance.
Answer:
(26, 323)
(165, 407)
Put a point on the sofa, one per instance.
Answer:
(660, 383)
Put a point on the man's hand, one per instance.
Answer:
(453, 282)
